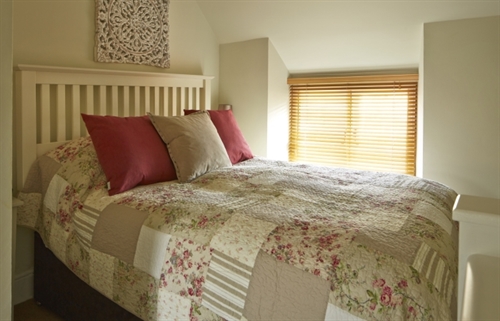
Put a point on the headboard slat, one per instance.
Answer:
(126, 101)
(197, 103)
(156, 100)
(44, 118)
(189, 98)
(147, 100)
(137, 102)
(102, 101)
(60, 106)
(75, 112)
(174, 102)
(114, 101)
(182, 101)
(89, 100)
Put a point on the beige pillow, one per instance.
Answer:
(193, 143)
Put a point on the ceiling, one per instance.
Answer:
(339, 36)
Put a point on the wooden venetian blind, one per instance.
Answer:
(362, 122)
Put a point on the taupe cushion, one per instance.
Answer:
(193, 144)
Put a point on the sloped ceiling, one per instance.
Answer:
(339, 36)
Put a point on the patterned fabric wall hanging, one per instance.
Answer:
(132, 31)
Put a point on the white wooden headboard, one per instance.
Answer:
(49, 100)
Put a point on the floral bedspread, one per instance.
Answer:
(262, 240)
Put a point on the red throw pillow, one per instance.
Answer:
(130, 150)
(236, 146)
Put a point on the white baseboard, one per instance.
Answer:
(22, 287)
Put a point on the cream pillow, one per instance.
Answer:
(193, 144)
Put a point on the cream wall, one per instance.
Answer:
(5, 160)
(462, 116)
(253, 79)
(243, 83)
(278, 101)
(461, 146)
(61, 33)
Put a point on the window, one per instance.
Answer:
(362, 122)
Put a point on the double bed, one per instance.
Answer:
(245, 239)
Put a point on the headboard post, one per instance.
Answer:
(207, 89)
(25, 126)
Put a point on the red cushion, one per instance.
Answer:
(236, 146)
(130, 151)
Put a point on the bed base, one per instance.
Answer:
(61, 291)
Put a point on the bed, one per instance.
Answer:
(235, 238)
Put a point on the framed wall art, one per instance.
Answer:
(132, 31)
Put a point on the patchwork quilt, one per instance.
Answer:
(261, 240)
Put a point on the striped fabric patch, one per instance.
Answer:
(428, 263)
(85, 220)
(226, 286)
